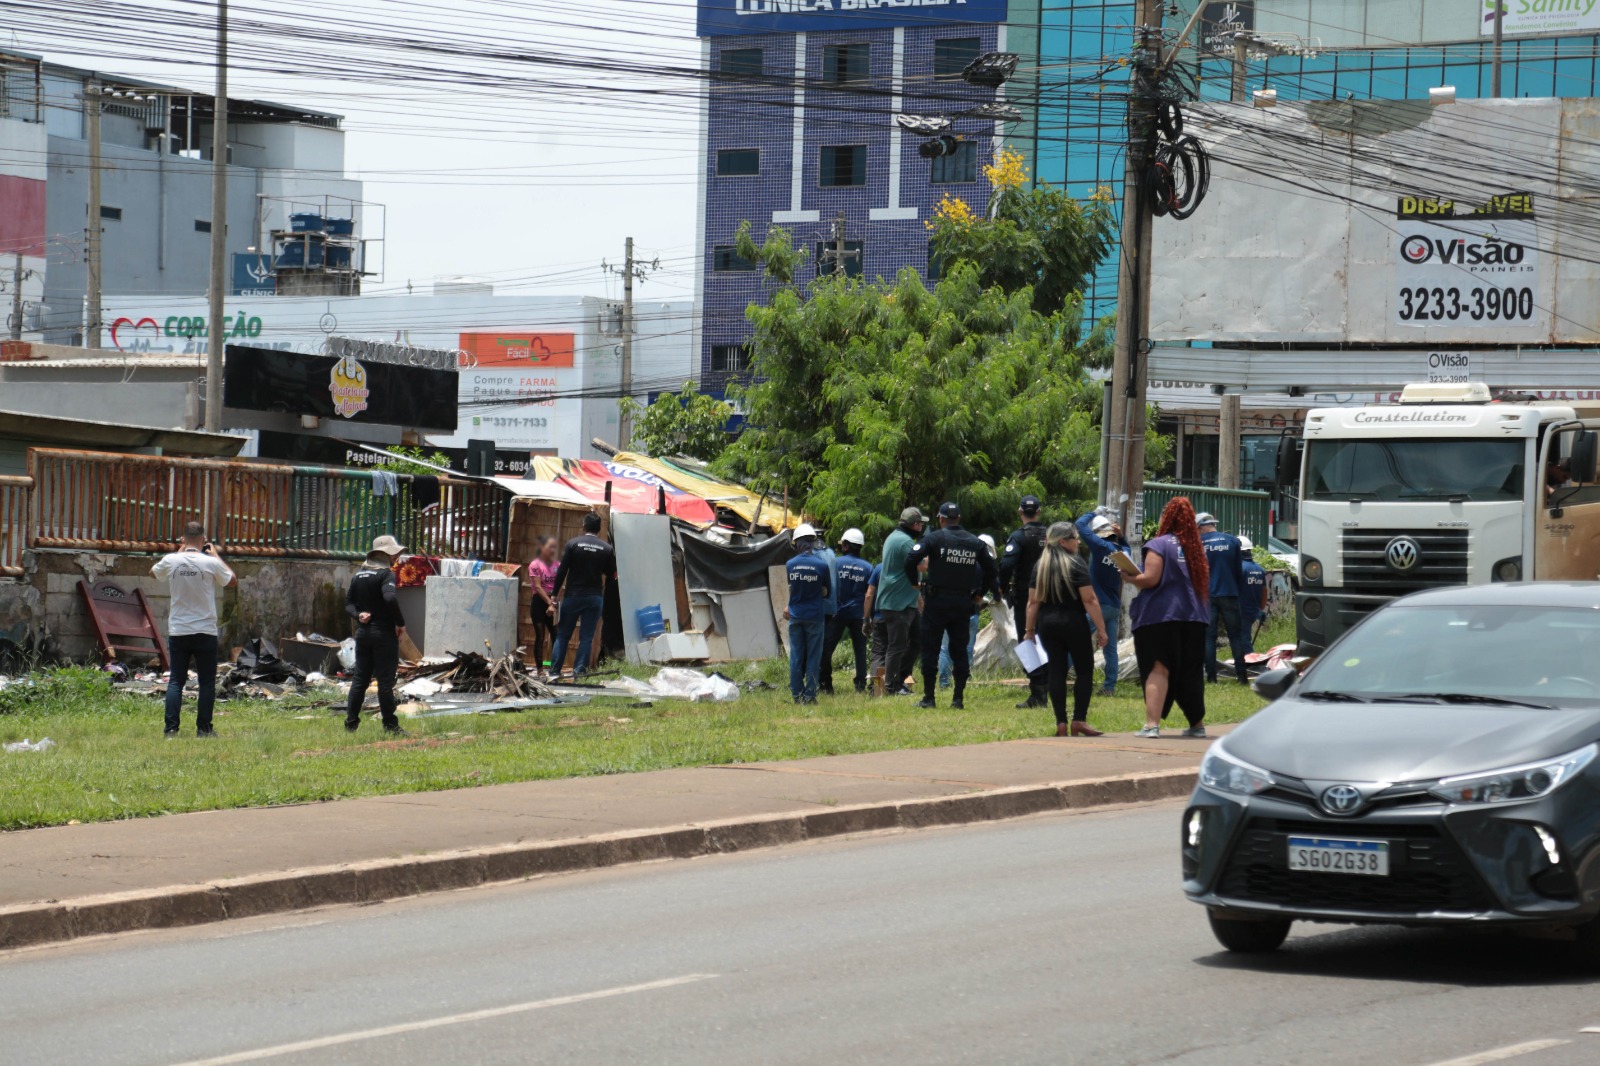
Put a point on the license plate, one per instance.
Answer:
(1331, 855)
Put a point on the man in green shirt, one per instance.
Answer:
(897, 599)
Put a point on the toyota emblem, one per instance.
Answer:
(1403, 553)
(1341, 799)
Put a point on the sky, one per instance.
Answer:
(518, 142)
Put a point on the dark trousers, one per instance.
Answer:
(544, 631)
(1225, 615)
(837, 628)
(581, 612)
(1067, 638)
(946, 615)
(901, 630)
(377, 656)
(200, 651)
(1038, 681)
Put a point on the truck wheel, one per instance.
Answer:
(1249, 936)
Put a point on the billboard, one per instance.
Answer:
(509, 384)
(253, 274)
(724, 17)
(1540, 16)
(295, 383)
(1385, 223)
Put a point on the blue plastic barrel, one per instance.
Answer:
(305, 222)
(651, 623)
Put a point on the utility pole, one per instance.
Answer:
(16, 298)
(216, 334)
(625, 423)
(1129, 374)
(92, 235)
(841, 258)
(1494, 61)
(1229, 415)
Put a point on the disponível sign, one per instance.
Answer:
(724, 17)
(1471, 266)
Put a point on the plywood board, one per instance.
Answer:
(778, 593)
(461, 613)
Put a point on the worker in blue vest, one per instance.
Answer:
(1104, 538)
(1227, 583)
(810, 587)
(1253, 601)
(850, 576)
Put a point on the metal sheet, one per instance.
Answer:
(745, 620)
(644, 572)
(1304, 372)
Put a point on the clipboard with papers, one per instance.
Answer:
(1032, 654)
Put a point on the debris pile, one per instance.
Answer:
(503, 678)
(258, 663)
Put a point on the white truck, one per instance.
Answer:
(1448, 487)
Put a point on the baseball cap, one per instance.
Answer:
(853, 536)
(1029, 505)
(987, 540)
(1205, 518)
(910, 516)
(1246, 543)
(804, 530)
(1101, 523)
(949, 509)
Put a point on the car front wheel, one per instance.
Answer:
(1249, 936)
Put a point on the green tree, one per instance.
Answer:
(686, 423)
(400, 466)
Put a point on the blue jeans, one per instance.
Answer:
(200, 649)
(805, 658)
(945, 665)
(1113, 616)
(1226, 617)
(574, 610)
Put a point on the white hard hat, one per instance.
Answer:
(1246, 543)
(987, 540)
(1205, 518)
(853, 536)
(1101, 522)
(804, 530)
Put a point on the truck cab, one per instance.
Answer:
(1448, 487)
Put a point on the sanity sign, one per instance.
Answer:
(722, 17)
(1541, 16)
(1466, 266)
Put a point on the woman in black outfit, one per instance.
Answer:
(1061, 604)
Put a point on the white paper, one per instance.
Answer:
(1032, 654)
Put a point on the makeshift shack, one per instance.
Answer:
(726, 586)
(543, 508)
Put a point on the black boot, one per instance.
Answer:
(1038, 691)
(929, 687)
(960, 691)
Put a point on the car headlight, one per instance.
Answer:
(1514, 782)
(1221, 772)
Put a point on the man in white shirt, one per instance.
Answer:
(193, 573)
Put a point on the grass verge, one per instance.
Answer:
(111, 760)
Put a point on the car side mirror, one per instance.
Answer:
(1274, 683)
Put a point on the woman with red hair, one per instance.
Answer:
(1169, 617)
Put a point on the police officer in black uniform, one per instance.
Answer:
(960, 570)
(1017, 563)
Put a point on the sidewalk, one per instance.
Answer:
(70, 881)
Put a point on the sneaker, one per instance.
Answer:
(205, 733)
(395, 731)
(904, 692)
(927, 703)
(1149, 731)
(1030, 704)
(1107, 692)
(957, 704)
(1194, 731)
(170, 734)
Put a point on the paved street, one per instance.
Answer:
(1055, 939)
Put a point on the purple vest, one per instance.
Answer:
(1173, 600)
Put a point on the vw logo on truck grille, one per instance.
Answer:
(1403, 553)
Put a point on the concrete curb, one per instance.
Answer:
(365, 882)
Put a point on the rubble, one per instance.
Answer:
(259, 665)
(505, 677)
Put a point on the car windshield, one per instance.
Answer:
(1414, 468)
(1540, 655)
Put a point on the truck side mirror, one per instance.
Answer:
(1581, 463)
(1287, 466)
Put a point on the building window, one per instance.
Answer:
(202, 226)
(730, 358)
(951, 56)
(935, 265)
(727, 257)
(843, 64)
(741, 62)
(958, 168)
(738, 162)
(852, 258)
(842, 164)
(112, 213)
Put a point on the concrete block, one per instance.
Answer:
(34, 923)
(246, 897)
(949, 810)
(1021, 802)
(755, 833)
(852, 820)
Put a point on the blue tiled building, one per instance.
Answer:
(799, 127)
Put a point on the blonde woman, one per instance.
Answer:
(1061, 606)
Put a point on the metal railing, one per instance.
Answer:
(15, 493)
(1237, 510)
(139, 503)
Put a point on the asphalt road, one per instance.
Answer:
(1060, 939)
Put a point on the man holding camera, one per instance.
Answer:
(193, 574)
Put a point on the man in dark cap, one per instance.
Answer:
(1017, 562)
(960, 571)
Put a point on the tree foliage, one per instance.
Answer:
(688, 423)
